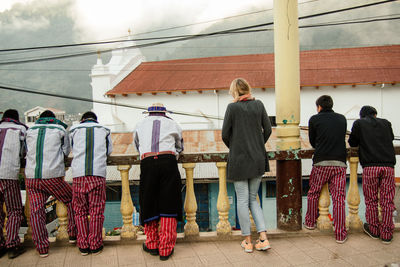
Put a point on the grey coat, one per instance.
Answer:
(245, 131)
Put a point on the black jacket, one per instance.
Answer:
(245, 131)
(327, 132)
(374, 137)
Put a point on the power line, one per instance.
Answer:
(38, 92)
(196, 35)
(63, 56)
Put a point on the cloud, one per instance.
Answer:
(102, 19)
(28, 15)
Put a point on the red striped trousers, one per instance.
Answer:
(336, 178)
(382, 179)
(89, 199)
(39, 190)
(164, 239)
(10, 194)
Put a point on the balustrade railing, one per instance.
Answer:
(223, 227)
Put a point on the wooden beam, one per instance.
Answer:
(154, 93)
(124, 95)
(169, 93)
(111, 96)
(139, 94)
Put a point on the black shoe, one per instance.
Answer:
(153, 252)
(387, 241)
(97, 250)
(84, 251)
(15, 251)
(164, 258)
(72, 239)
(3, 251)
(368, 232)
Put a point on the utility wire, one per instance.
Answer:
(188, 37)
(38, 92)
(197, 35)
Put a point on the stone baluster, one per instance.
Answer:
(27, 211)
(323, 221)
(128, 230)
(223, 226)
(62, 215)
(191, 227)
(353, 221)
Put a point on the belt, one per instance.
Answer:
(155, 154)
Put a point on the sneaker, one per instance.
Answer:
(341, 241)
(164, 258)
(248, 247)
(3, 251)
(15, 251)
(153, 252)
(309, 227)
(72, 239)
(368, 231)
(262, 244)
(387, 241)
(44, 255)
(84, 251)
(97, 250)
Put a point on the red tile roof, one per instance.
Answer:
(363, 65)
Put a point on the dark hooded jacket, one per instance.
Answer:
(374, 137)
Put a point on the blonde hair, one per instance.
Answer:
(239, 87)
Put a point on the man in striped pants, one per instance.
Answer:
(91, 144)
(48, 144)
(12, 149)
(159, 141)
(374, 137)
(327, 131)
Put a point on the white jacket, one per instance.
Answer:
(91, 144)
(47, 145)
(12, 147)
(157, 134)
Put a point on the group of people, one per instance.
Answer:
(158, 139)
(374, 138)
(45, 145)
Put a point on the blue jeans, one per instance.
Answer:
(246, 193)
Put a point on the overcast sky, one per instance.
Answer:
(104, 19)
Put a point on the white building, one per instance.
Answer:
(352, 76)
(33, 114)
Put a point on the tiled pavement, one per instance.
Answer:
(359, 250)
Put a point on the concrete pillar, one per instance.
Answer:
(287, 94)
(353, 220)
(223, 226)
(127, 209)
(191, 227)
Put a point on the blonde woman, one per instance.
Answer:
(245, 131)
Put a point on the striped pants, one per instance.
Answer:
(382, 179)
(89, 199)
(39, 190)
(336, 178)
(11, 195)
(164, 238)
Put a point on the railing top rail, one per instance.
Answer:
(204, 157)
